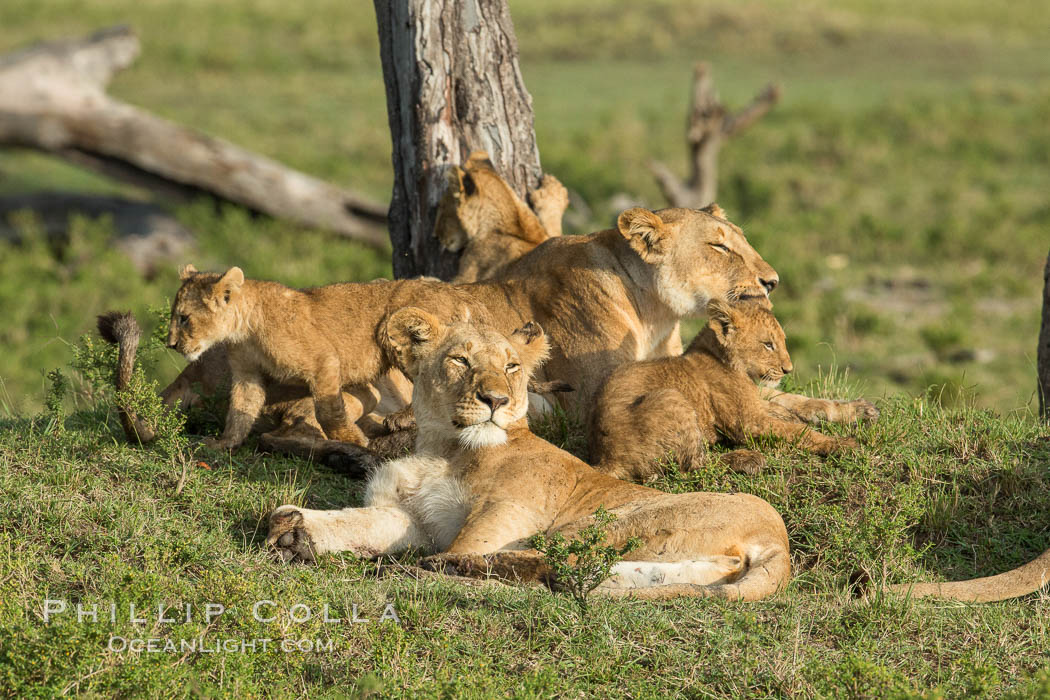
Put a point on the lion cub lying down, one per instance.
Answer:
(681, 404)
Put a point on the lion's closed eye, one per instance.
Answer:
(513, 367)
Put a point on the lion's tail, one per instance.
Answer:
(1023, 580)
(754, 578)
(121, 329)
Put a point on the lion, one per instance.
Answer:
(481, 216)
(680, 405)
(270, 331)
(288, 421)
(607, 298)
(481, 484)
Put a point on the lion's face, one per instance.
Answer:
(204, 311)
(697, 256)
(477, 202)
(751, 339)
(470, 382)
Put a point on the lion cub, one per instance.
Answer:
(274, 333)
(682, 404)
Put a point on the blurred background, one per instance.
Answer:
(900, 187)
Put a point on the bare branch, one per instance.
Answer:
(708, 125)
(670, 185)
(762, 103)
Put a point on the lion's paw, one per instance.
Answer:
(400, 420)
(848, 444)
(864, 411)
(288, 536)
(550, 193)
(745, 461)
(218, 444)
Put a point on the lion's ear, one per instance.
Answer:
(228, 284)
(532, 346)
(647, 233)
(187, 271)
(714, 210)
(478, 160)
(721, 320)
(407, 334)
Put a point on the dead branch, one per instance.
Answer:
(708, 126)
(52, 98)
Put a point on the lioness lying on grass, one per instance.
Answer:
(680, 405)
(482, 483)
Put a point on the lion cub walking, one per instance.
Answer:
(682, 404)
(274, 333)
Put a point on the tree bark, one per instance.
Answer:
(1043, 354)
(52, 97)
(708, 126)
(453, 86)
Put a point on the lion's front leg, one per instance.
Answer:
(300, 534)
(517, 566)
(549, 201)
(812, 410)
(247, 397)
(331, 409)
(803, 436)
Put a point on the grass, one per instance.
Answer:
(899, 189)
(933, 493)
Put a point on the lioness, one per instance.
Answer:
(481, 484)
(682, 404)
(606, 299)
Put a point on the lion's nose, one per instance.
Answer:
(172, 343)
(786, 369)
(493, 401)
(770, 283)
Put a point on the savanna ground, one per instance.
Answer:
(900, 191)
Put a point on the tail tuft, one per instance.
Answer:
(119, 327)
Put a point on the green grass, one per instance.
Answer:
(933, 493)
(899, 189)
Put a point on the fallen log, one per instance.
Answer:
(52, 98)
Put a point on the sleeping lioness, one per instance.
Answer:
(481, 484)
(682, 404)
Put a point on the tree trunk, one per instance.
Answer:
(1043, 355)
(52, 97)
(453, 86)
